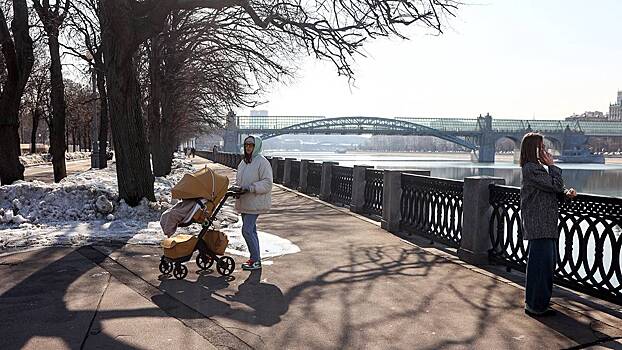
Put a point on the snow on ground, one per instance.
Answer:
(85, 208)
(43, 158)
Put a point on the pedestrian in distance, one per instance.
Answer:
(542, 186)
(254, 178)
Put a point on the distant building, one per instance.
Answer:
(259, 119)
(615, 110)
(259, 113)
(589, 116)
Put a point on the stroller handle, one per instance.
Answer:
(235, 192)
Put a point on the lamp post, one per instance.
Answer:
(95, 120)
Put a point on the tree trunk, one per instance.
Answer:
(57, 99)
(158, 156)
(9, 154)
(103, 116)
(18, 60)
(119, 44)
(167, 133)
(36, 115)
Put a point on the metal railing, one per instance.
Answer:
(294, 175)
(374, 186)
(589, 247)
(314, 178)
(341, 185)
(432, 207)
(280, 171)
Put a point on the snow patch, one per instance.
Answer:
(43, 158)
(85, 208)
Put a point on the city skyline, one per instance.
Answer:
(513, 60)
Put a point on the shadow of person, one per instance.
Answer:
(266, 300)
(200, 293)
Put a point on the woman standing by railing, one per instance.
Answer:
(540, 185)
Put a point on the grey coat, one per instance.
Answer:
(539, 205)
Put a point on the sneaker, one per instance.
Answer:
(546, 313)
(251, 265)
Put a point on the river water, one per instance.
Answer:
(602, 179)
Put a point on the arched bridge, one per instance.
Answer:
(367, 125)
(477, 134)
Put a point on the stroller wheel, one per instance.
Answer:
(225, 265)
(165, 267)
(204, 261)
(180, 272)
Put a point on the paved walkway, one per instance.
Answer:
(45, 172)
(352, 286)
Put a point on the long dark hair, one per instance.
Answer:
(530, 147)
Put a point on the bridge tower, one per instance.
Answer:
(232, 135)
(487, 140)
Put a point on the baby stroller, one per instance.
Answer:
(204, 193)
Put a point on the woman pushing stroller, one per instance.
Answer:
(254, 177)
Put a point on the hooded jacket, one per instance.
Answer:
(257, 175)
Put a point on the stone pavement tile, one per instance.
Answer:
(47, 296)
(175, 309)
(125, 319)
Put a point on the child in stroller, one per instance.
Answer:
(202, 196)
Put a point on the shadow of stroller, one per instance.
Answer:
(265, 300)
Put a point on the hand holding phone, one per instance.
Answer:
(545, 157)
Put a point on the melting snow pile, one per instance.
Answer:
(85, 208)
(42, 158)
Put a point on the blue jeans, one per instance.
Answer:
(249, 231)
(542, 256)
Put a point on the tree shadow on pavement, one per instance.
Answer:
(37, 305)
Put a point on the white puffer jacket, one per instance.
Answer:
(257, 175)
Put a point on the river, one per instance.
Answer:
(602, 179)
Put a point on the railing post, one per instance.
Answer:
(391, 196)
(327, 171)
(275, 167)
(476, 219)
(287, 172)
(304, 170)
(358, 188)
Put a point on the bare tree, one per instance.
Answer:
(79, 116)
(36, 96)
(333, 30)
(18, 57)
(84, 34)
(52, 17)
(199, 68)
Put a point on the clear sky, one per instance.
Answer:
(545, 59)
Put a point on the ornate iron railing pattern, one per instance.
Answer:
(280, 171)
(432, 207)
(294, 175)
(589, 247)
(314, 178)
(374, 186)
(341, 185)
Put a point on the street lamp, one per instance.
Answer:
(95, 120)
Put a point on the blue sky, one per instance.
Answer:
(545, 59)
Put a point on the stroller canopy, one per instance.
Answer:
(205, 183)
